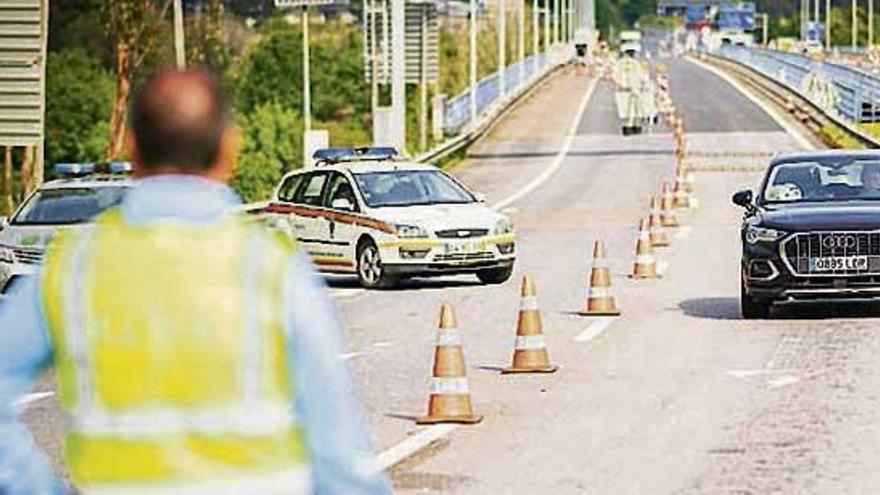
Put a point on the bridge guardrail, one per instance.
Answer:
(775, 79)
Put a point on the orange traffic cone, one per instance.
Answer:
(600, 297)
(530, 350)
(645, 265)
(656, 234)
(450, 400)
(686, 175)
(680, 197)
(667, 217)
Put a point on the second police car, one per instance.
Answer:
(82, 191)
(361, 211)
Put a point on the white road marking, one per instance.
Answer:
(595, 329)
(346, 293)
(683, 232)
(413, 444)
(557, 161)
(744, 374)
(31, 398)
(510, 210)
(790, 129)
(662, 267)
(382, 344)
(350, 355)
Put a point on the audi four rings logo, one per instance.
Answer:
(839, 241)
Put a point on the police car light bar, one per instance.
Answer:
(82, 169)
(336, 155)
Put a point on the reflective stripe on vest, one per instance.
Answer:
(171, 356)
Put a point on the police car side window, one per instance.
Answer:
(288, 188)
(311, 189)
(340, 188)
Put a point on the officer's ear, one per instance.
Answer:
(227, 155)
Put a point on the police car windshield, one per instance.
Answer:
(812, 181)
(68, 205)
(410, 188)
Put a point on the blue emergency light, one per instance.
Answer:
(83, 169)
(336, 155)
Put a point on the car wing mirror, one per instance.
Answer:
(4, 222)
(480, 197)
(743, 198)
(342, 204)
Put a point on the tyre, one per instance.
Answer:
(371, 274)
(751, 307)
(495, 275)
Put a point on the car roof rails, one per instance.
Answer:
(329, 156)
(71, 170)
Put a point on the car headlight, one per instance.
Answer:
(410, 231)
(6, 255)
(756, 234)
(503, 226)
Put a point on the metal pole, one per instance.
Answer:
(764, 29)
(502, 46)
(473, 55)
(827, 25)
(556, 21)
(547, 32)
(521, 31)
(816, 11)
(179, 51)
(374, 63)
(535, 20)
(855, 25)
(870, 24)
(398, 73)
(8, 203)
(307, 90)
(423, 82)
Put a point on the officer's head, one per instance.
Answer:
(180, 125)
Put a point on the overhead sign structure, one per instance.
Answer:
(22, 72)
(421, 42)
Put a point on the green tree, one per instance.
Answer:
(271, 145)
(79, 97)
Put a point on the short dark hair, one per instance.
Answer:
(178, 119)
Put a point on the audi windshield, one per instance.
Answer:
(813, 181)
(410, 187)
(68, 205)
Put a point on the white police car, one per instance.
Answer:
(360, 211)
(84, 190)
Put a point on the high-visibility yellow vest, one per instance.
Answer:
(171, 358)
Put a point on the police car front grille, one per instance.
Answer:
(799, 248)
(28, 256)
(461, 233)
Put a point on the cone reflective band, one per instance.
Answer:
(645, 265)
(656, 234)
(530, 347)
(600, 297)
(667, 218)
(450, 400)
(680, 198)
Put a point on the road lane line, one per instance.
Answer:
(413, 444)
(350, 355)
(31, 398)
(560, 157)
(346, 293)
(595, 329)
(662, 267)
(790, 129)
(683, 232)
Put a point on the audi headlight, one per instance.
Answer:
(410, 231)
(757, 234)
(6, 255)
(503, 226)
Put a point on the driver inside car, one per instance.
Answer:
(871, 180)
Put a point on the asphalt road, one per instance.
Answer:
(678, 395)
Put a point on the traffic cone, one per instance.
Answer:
(667, 217)
(645, 265)
(530, 351)
(600, 297)
(656, 234)
(680, 197)
(686, 175)
(450, 400)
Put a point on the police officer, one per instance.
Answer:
(195, 351)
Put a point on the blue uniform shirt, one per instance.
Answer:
(336, 433)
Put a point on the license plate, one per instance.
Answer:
(461, 248)
(838, 263)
